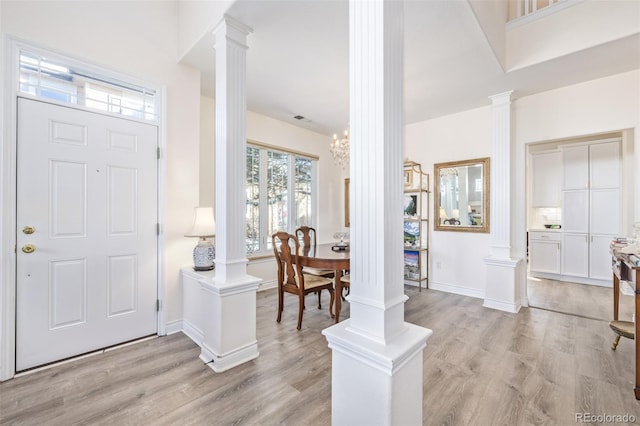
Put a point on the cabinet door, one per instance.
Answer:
(605, 212)
(604, 165)
(599, 257)
(575, 167)
(575, 255)
(544, 256)
(575, 211)
(546, 173)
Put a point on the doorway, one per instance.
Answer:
(574, 211)
(87, 231)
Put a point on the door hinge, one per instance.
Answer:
(158, 228)
(158, 153)
(157, 305)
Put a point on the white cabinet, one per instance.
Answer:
(605, 212)
(575, 254)
(575, 210)
(546, 173)
(591, 208)
(575, 167)
(544, 252)
(604, 165)
(599, 257)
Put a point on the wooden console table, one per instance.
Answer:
(624, 269)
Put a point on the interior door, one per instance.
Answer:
(87, 232)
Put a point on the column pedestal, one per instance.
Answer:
(503, 289)
(229, 334)
(383, 383)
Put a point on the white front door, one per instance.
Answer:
(87, 266)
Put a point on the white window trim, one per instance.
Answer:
(291, 208)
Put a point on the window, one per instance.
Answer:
(57, 79)
(280, 194)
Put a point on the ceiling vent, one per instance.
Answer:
(302, 118)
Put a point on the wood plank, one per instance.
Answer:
(480, 367)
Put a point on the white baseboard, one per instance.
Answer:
(223, 362)
(501, 306)
(173, 326)
(571, 279)
(193, 332)
(462, 291)
(266, 285)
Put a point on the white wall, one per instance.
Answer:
(278, 133)
(207, 152)
(138, 38)
(455, 258)
(600, 106)
(605, 105)
(195, 19)
(582, 26)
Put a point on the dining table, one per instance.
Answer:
(326, 256)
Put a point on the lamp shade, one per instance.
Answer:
(204, 225)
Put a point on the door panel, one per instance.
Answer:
(87, 184)
(575, 255)
(600, 258)
(605, 211)
(575, 211)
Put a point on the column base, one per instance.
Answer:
(224, 362)
(229, 322)
(503, 284)
(376, 384)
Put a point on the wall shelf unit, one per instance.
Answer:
(416, 224)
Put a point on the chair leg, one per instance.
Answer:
(319, 293)
(280, 304)
(300, 311)
(332, 303)
(348, 289)
(614, 345)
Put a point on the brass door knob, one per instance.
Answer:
(28, 230)
(28, 248)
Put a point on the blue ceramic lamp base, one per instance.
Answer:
(204, 255)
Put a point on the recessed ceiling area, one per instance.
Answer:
(298, 62)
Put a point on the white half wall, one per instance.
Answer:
(584, 25)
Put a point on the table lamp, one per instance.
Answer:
(204, 225)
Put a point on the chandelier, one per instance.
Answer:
(340, 149)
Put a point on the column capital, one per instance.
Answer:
(232, 29)
(501, 98)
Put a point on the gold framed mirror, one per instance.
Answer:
(461, 201)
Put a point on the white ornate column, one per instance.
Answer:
(377, 357)
(504, 272)
(229, 335)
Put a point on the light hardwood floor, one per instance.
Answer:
(481, 367)
(577, 299)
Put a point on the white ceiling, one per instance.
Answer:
(297, 62)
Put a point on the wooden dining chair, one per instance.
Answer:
(307, 235)
(291, 279)
(345, 281)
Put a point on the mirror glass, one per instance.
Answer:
(462, 196)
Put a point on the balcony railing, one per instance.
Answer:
(526, 10)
